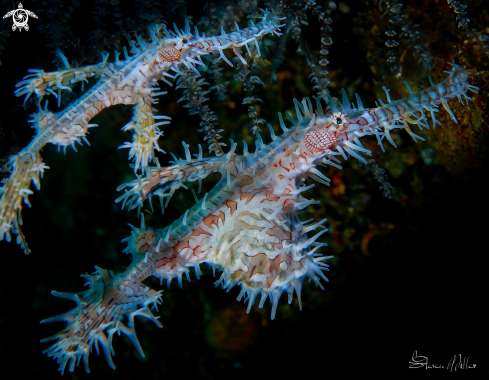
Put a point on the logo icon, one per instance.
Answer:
(20, 16)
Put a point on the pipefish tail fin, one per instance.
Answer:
(107, 307)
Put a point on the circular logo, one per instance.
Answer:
(20, 16)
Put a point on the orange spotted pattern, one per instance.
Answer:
(169, 55)
(320, 141)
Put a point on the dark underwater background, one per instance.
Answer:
(409, 273)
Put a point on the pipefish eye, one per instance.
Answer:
(339, 121)
(184, 40)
